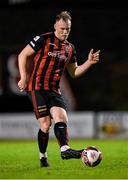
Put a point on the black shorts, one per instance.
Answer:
(43, 101)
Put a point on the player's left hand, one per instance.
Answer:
(93, 58)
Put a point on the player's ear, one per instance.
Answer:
(55, 26)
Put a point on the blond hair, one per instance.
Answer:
(65, 15)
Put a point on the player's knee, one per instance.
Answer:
(45, 125)
(61, 119)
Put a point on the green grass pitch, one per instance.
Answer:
(19, 160)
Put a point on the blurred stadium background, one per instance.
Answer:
(97, 102)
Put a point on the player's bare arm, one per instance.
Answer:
(23, 57)
(76, 71)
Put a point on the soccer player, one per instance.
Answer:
(51, 53)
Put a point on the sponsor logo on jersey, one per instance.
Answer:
(57, 54)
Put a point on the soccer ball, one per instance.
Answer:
(91, 156)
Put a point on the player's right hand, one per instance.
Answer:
(22, 84)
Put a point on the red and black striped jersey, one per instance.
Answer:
(50, 61)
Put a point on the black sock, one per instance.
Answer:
(42, 141)
(60, 130)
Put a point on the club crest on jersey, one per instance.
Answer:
(67, 48)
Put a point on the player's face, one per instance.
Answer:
(62, 29)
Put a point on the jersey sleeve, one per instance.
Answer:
(37, 43)
(73, 57)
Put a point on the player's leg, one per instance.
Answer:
(60, 128)
(42, 115)
(43, 137)
(59, 115)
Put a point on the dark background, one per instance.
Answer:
(96, 24)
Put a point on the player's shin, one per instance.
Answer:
(60, 130)
(42, 141)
